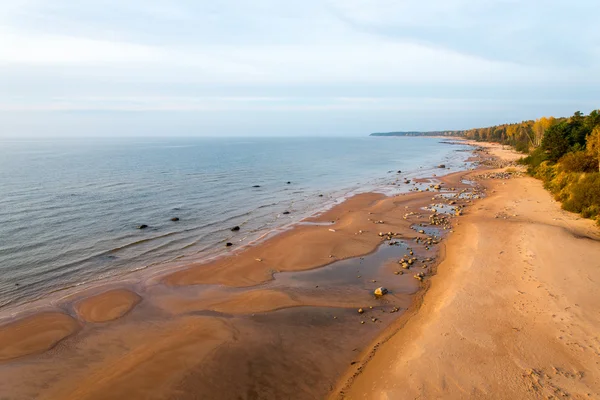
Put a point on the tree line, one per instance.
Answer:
(563, 152)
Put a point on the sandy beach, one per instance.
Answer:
(511, 314)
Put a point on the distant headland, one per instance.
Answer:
(414, 133)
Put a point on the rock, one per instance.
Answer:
(419, 276)
(437, 187)
(256, 186)
(228, 244)
(174, 219)
(285, 212)
(360, 311)
(380, 291)
(399, 171)
(442, 166)
(288, 182)
(320, 195)
(235, 229)
(421, 231)
(143, 226)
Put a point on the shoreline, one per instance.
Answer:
(196, 236)
(522, 327)
(241, 285)
(387, 184)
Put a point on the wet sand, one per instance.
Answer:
(276, 320)
(512, 312)
(107, 306)
(34, 334)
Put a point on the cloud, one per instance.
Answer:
(18, 49)
(310, 55)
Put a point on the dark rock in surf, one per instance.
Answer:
(256, 186)
(442, 166)
(289, 182)
(175, 219)
(235, 229)
(143, 226)
(228, 244)
(285, 212)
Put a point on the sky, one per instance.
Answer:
(293, 67)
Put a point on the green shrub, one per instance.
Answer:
(533, 160)
(546, 172)
(559, 185)
(584, 195)
(578, 161)
(522, 147)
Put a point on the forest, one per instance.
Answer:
(563, 152)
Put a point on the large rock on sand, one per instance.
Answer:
(380, 291)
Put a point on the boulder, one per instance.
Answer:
(143, 226)
(442, 166)
(285, 212)
(235, 229)
(228, 244)
(175, 219)
(380, 291)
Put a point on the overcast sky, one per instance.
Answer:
(293, 67)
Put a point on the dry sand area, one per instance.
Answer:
(513, 312)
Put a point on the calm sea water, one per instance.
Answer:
(69, 209)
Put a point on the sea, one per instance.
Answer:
(70, 209)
